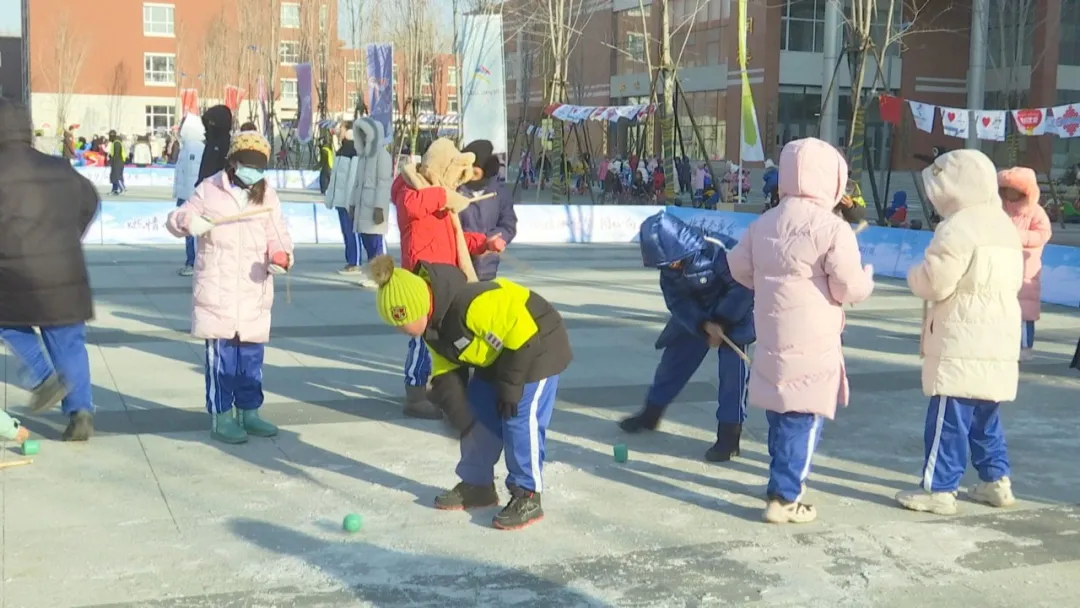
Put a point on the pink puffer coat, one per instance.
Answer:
(233, 290)
(803, 263)
(1034, 227)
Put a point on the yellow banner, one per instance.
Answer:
(750, 148)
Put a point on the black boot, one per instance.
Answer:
(523, 509)
(80, 428)
(466, 496)
(727, 443)
(645, 420)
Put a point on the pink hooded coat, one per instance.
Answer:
(803, 263)
(1034, 227)
(233, 290)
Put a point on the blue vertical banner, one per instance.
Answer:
(380, 75)
(303, 92)
(483, 101)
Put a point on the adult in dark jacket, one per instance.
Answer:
(218, 121)
(494, 217)
(705, 301)
(45, 208)
(116, 163)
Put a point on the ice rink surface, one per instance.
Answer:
(150, 513)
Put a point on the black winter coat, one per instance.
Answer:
(45, 208)
(218, 123)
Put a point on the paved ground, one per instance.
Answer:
(151, 513)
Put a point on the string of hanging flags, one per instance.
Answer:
(991, 125)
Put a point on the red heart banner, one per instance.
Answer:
(986, 121)
(952, 116)
(1029, 120)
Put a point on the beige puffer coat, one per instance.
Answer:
(971, 276)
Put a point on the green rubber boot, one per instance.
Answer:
(254, 425)
(226, 429)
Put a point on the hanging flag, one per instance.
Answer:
(923, 113)
(750, 135)
(1066, 121)
(483, 102)
(1030, 122)
(380, 75)
(890, 108)
(303, 113)
(189, 101)
(956, 122)
(990, 125)
(233, 97)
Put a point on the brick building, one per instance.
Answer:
(122, 66)
(786, 44)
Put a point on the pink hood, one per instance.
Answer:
(803, 263)
(1035, 230)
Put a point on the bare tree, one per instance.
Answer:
(413, 32)
(218, 41)
(118, 88)
(353, 81)
(68, 53)
(1014, 54)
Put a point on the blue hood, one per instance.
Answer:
(899, 200)
(665, 239)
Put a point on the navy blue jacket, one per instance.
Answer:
(702, 288)
(489, 217)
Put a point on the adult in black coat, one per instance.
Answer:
(218, 122)
(45, 209)
(116, 163)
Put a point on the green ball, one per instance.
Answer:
(621, 452)
(352, 522)
(30, 447)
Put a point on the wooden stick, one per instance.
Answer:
(240, 216)
(863, 225)
(483, 197)
(738, 351)
(922, 329)
(15, 463)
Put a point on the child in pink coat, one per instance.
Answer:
(803, 263)
(1019, 190)
(234, 286)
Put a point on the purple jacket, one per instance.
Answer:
(489, 217)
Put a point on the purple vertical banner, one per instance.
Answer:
(303, 93)
(380, 75)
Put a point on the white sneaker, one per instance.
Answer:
(938, 503)
(368, 283)
(779, 512)
(350, 269)
(1027, 354)
(994, 493)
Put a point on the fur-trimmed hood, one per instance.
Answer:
(1023, 180)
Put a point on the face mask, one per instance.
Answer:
(249, 176)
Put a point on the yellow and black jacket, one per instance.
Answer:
(509, 334)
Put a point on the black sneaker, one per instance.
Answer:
(47, 394)
(80, 428)
(727, 443)
(467, 496)
(523, 510)
(645, 420)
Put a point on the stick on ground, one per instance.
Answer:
(4, 464)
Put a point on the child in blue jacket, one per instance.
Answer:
(704, 301)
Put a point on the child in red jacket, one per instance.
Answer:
(427, 204)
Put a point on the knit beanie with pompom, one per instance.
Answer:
(403, 297)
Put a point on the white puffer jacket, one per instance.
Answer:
(192, 145)
(361, 183)
(971, 275)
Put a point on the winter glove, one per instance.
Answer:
(455, 202)
(378, 215)
(448, 393)
(507, 409)
(496, 243)
(715, 333)
(198, 225)
(278, 269)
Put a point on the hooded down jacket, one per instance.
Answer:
(362, 177)
(1033, 225)
(233, 289)
(192, 146)
(803, 263)
(970, 276)
(701, 289)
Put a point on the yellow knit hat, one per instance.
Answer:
(403, 297)
(250, 149)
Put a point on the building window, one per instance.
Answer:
(159, 69)
(425, 105)
(802, 25)
(451, 104)
(428, 75)
(635, 46)
(158, 20)
(290, 15)
(289, 51)
(1069, 45)
(288, 88)
(451, 75)
(160, 118)
(355, 71)
(324, 16)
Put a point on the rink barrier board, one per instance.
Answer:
(891, 250)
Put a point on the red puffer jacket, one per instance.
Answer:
(427, 233)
